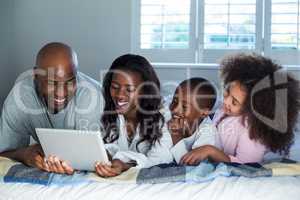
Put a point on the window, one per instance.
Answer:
(229, 24)
(206, 30)
(165, 24)
(285, 24)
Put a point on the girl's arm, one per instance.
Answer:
(237, 141)
(246, 150)
(199, 154)
(217, 155)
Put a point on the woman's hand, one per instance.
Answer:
(116, 168)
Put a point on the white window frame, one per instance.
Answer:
(284, 56)
(196, 52)
(213, 55)
(162, 55)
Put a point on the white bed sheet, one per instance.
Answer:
(267, 188)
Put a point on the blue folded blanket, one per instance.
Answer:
(16, 172)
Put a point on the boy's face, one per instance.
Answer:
(185, 112)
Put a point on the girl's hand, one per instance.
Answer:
(115, 169)
(197, 155)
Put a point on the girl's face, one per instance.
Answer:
(125, 90)
(234, 99)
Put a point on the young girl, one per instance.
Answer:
(131, 119)
(259, 111)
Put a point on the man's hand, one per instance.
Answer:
(33, 156)
(116, 168)
(59, 166)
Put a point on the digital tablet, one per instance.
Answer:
(80, 148)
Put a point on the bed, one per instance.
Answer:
(220, 188)
(282, 183)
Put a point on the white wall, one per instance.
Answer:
(5, 48)
(99, 30)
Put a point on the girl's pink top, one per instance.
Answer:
(233, 138)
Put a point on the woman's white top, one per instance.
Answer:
(127, 152)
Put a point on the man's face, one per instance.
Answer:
(56, 81)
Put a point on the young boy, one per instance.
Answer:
(190, 125)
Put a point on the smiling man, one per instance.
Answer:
(52, 95)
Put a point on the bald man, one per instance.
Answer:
(53, 95)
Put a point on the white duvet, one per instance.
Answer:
(228, 188)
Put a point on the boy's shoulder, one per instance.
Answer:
(206, 123)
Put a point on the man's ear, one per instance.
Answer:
(37, 71)
(34, 72)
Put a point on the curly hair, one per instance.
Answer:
(150, 120)
(270, 90)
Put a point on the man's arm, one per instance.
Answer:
(15, 129)
(32, 156)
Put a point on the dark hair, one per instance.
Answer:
(150, 120)
(204, 88)
(263, 81)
